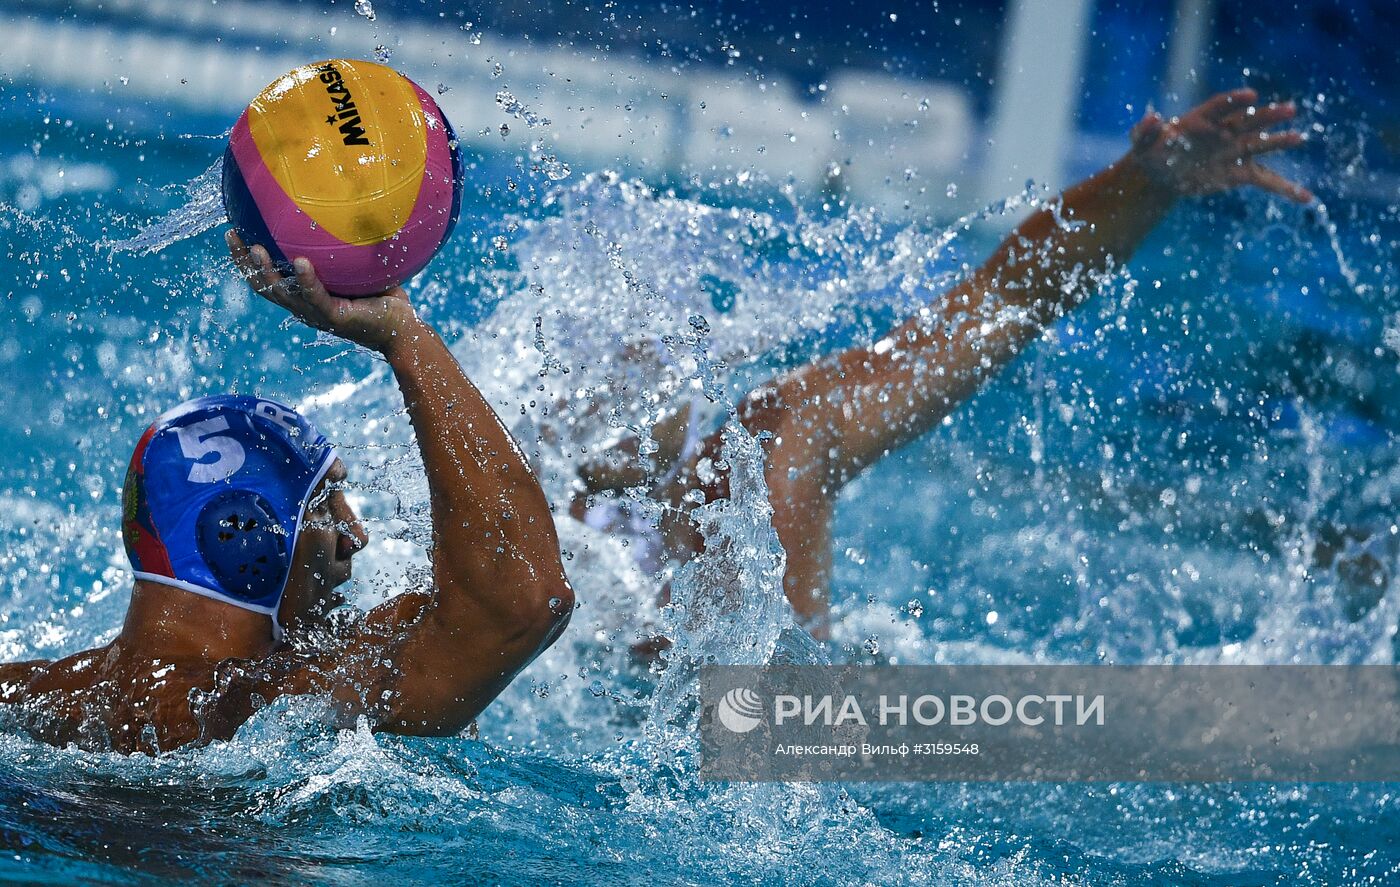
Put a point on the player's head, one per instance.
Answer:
(238, 499)
(331, 534)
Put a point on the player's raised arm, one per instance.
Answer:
(902, 386)
(831, 419)
(434, 659)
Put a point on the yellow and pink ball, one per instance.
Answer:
(347, 163)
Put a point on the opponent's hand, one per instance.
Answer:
(372, 321)
(1215, 146)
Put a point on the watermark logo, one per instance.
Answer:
(1051, 723)
(740, 710)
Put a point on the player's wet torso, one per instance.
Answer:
(108, 699)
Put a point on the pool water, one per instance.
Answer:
(1197, 467)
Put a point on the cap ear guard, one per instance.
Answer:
(244, 545)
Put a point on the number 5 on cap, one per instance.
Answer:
(199, 439)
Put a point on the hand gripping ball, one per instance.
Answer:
(350, 164)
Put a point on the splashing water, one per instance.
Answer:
(641, 264)
(554, 169)
(512, 106)
(203, 209)
(542, 160)
(1343, 264)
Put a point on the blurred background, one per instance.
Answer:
(892, 102)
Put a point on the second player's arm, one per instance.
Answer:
(858, 406)
(831, 419)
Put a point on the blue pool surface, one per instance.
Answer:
(1200, 466)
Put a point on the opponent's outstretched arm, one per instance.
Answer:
(433, 660)
(831, 419)
(866, 402)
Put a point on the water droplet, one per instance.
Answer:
(381, 52)
(443, 89)
(365, 8)
(872, 645)
(514, 107)
(555, 169)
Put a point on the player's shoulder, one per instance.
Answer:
(71, 673)
(347, 661)
(16, 678)
(304, 664)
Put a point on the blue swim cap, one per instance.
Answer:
(214, 498)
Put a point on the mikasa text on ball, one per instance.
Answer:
(350, 164)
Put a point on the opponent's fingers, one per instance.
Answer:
(1265, 178)
(1265, 142)
(1147, 130)
(1221, 104)
(1253, 118)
